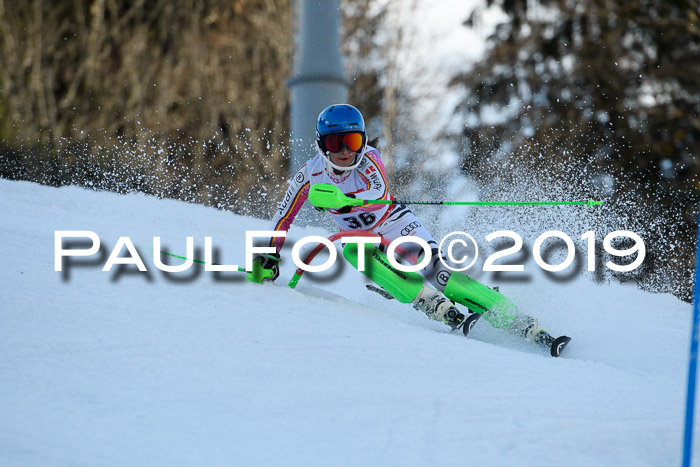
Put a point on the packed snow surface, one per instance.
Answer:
(152, 368)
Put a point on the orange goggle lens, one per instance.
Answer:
(335, 143)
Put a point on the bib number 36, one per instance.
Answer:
(363, 220)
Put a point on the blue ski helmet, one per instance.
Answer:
(340, 119)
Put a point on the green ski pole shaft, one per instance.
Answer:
(590, 202)
(240, 269)
(256, 275)
(328, 196)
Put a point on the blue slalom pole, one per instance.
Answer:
(692, 363)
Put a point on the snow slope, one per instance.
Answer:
(129, 368)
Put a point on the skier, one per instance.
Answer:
(347, 162)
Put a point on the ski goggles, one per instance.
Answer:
(353, 141)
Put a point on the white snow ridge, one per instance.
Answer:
(196, 368)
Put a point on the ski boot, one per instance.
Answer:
(453, 317)
(542, 338)
(438, 307)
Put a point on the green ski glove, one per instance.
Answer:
(265, 268)
(326, 196)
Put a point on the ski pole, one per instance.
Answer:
(330, 197)
(240, 269)
(590, 202)
(256, 275)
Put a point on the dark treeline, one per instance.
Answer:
(599, 89)
(178, 98)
